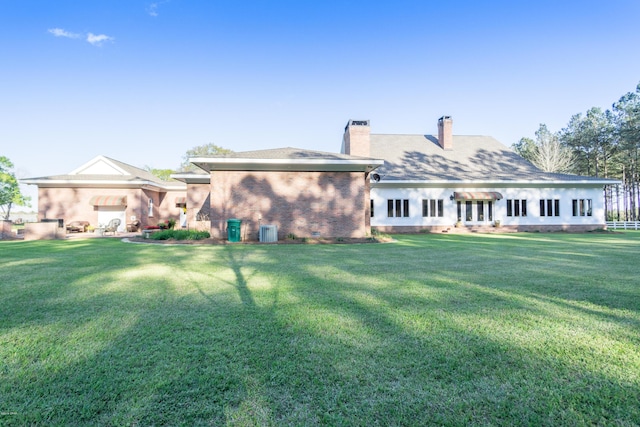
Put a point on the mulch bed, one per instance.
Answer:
(297, 241)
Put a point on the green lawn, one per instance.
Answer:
(514, 329)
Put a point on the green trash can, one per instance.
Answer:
(233, 229)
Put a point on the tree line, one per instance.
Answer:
(598, 143)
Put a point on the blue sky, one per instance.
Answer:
(144, 81)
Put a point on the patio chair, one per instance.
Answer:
(133, 226)
(112, 226)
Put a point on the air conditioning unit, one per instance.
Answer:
(268, 233)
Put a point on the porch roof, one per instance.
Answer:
(477, 195)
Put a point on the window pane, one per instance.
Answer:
(371, 203)
(524, 208)
(516, 208)
(425, 207)
(509, 208)
(582, 210)
(440, 207)
(549, 207)
(469, 210)
(574, 207)
(556, 205)
(490, 207)
(405, 205)
(459, 210)
(389, 208)
(542, 208)
(398, 207)
(432, 206)
(480, 206)
(589, 207)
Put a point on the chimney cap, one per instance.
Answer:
(356, 123)
(444, 118)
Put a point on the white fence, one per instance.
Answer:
(623, 225)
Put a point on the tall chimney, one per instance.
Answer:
(357, 140)
(445, 132)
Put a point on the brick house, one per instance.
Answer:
(302, 192)
(103, 189)
(395, 183)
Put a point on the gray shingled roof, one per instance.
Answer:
(286, 153)
(473, 158)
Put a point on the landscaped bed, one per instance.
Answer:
(515, 329)
(287, 241)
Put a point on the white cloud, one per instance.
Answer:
(152, 9)
(59, 32)
(98, 39)
(94, 39)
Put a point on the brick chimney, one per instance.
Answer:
(356, 140)
(445, 132)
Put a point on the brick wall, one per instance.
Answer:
(306, 204)
(198, 206)
(43, 231)
(5, 229)
(167, 207)
(72, 204)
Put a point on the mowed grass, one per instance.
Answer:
(514, 329)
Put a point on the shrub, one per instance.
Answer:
(180, 235)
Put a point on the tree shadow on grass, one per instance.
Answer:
(430, 357)
(298, 335)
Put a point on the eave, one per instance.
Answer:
(88, 183)
(189, 178)
(299, 165)
(493, 183)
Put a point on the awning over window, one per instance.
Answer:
(108, 201)
(477, 195)
(181, 201)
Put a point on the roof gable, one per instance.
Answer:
(99, 165)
